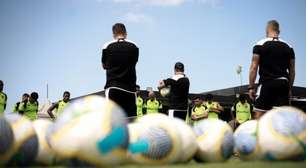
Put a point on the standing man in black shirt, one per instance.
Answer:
(178, 98)
(119, 59)
(275, 60)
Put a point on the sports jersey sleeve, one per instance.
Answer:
(104, 58)
(21, 107)
(292, 54)
(169, 82)
(257, 49)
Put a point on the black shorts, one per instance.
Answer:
(272, 93)
(181, 114)
(125, 99)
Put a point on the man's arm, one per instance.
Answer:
(5, 101)
(291, 75)
(253, 75)
(51, 108)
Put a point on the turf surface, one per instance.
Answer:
(232, 163)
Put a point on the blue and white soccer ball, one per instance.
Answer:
(245, 138)
(282, 134)
(6, 140)
(154, 140)
(91, 131)
(215, 140)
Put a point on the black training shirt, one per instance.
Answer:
(119, 58)
(274, 58)
(178, 98)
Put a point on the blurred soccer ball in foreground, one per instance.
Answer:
(189, 140)
(155, 140)
(6, 140)
(45, 155)
(26, 141)
(92, 130)
(215, 140)
(245, 138)
(282, 134)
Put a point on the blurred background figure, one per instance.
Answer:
(152, 105)
(3, 98)
(199, 110)
(59, 106)
(242, 110)
(213, 107)
(139, 102)
(30, 108)
(178, 97)
(25, 98)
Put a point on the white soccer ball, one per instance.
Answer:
(165, 91)
(245, 138)
(189, 140)
(282, 134)
(26, 141)
(215, 140)
(155, 140)
(6, 140)
(91, 130)
(46, 155)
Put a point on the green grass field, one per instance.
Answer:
(232, 163)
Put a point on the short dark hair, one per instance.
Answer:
(119, 28)
(274, 25)
(34, 95)
(209, 97)
(1, 82)
(26, 95)
(242, 97)
(66, 92)
(179, 67)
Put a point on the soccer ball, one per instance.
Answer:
(26, 141)
(282, 134)
(45, 155)
(245, 138)
(155, 140)
(215, 140)
(165, 91)
(91, 130)
(6, 140)
(189, 140)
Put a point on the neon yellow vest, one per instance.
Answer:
(211, 114)
(199, 110)
(243, 112)
(30, 111)
(2, 102)
(139, 104)
(61, 107)
(153, 106)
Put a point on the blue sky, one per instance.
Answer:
(59, 41)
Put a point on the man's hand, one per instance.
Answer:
(252, 94)
(194, 117)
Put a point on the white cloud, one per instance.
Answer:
(138, 18)
(154, 2)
